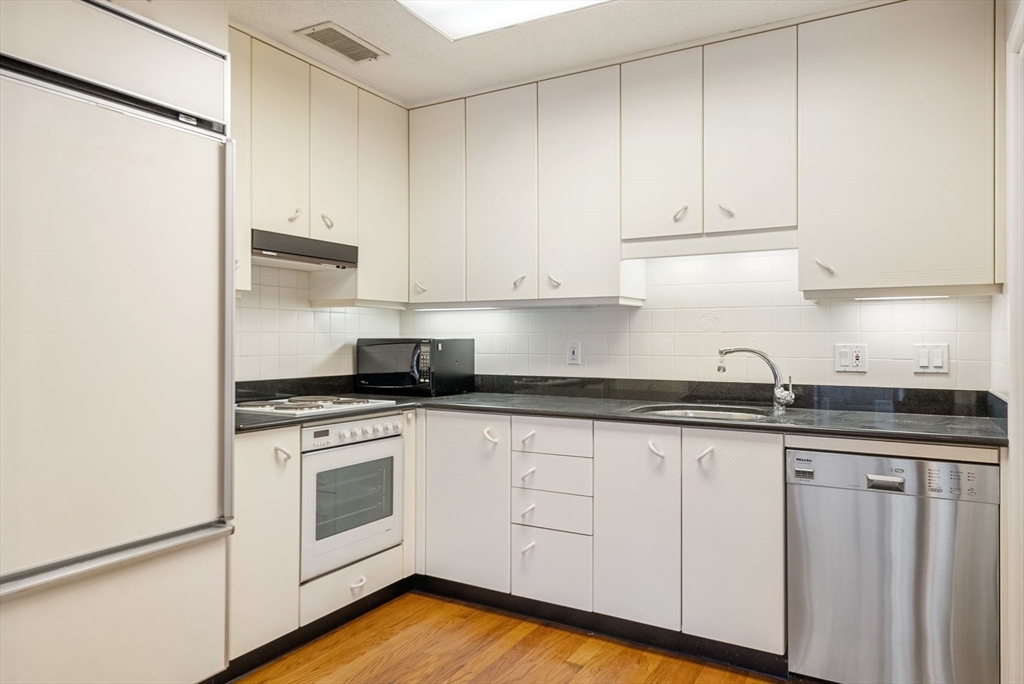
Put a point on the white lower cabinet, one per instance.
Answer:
(566, 474)
(553, 511)
(637, 523)
(734, 538)
(159, 620)
(338, 589)
(551, 566)
(264, 550)
(467, 508)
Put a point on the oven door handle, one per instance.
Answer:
(416, 363)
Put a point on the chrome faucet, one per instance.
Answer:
(783, 397)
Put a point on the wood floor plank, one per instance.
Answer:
(424, 639)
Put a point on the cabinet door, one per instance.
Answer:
(734, 540)
(437, 203)
(578, 129)
(750, 132)
(280, 141)
(896, 147)
(333, 158)
(662, 146)
(501, 195)
(468, 460)
(556, 567)
(264, 550)
(241, 130)
(205, 21)
(383, 272)
(636, 522)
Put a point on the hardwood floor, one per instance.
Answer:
(419, 638)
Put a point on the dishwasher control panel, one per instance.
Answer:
(935, 479)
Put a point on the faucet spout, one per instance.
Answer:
(782, 397)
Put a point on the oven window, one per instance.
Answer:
(353, 496)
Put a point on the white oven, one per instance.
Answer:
(351, 492)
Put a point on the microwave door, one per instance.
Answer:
(389, 366)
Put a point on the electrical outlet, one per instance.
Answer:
(851, 358)
(931, 358)
(572, 353)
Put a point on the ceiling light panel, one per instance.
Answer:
(456, 19)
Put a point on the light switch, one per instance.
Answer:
(572, 353)
(851, 358)
(931, 358)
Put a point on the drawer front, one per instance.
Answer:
(329, 593)
(566, 512)
(553, 436)
(565, 474)
(557, 567)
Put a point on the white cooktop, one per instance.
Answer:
(309, 405)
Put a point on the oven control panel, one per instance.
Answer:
(351, 432)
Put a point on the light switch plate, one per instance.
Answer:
(931, 358)
(851, 358)
(572, 353)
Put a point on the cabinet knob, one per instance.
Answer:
(729, 212)
(327, 221)
(529, 509)
(489, 437)
(358, 583)
(554, 281)
(528, 435)
(293, 217)
(678, 216)
(707, 452)
(828, 269)
(529, 547)
(420, 286)
(281, 452)
(519, 281)
(527, 474)
(654, 447)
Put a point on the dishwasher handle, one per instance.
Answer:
(886, 483)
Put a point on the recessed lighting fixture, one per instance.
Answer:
(887, 299)
(457, 19)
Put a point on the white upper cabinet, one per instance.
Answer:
(280, 141)
(578, 130)
(383, 273)
(896, 148)
(501, 195)
(437, 203)
(662, 140)
(750, 132)
(240, 46)
(734, 538)
(205, 21)
(333, 158)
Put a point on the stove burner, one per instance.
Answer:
(312, 399)
(295, 406)
(349, 402)
(257, 404)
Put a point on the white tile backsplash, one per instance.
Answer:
(696, 305)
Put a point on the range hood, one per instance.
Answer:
(301, 250)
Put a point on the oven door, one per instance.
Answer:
(393, 365)
(351, 504)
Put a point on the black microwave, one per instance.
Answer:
(414, 366)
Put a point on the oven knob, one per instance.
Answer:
(356, 432)
(345, 434)
(378, 428)
(398, 426)
(388, 427)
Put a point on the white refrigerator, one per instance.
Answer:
(115, 347)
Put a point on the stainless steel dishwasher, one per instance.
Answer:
(893, 569)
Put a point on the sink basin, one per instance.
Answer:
(713, 412)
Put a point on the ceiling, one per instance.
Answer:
(424, 66)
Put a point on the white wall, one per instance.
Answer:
(278, 335)
(697, 304)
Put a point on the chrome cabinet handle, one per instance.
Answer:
(420, 286)
(655, 449)
(527, 474)
(238, 263)
(297, 214)
(327, 221)
(279, 451)
(707, 452)
(529, 434)
(678, 216)
(529, 547)
(519, 281)
(490, 438)
(358, 583)
(828, 269)
(528, 510)
(727, 210)
(554, 281)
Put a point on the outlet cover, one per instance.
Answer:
(851, 358)
(572, 353)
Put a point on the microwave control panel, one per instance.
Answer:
(424, 363)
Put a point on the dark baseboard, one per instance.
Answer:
(626, 630)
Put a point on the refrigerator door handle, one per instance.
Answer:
(84, 566)
(228, 457)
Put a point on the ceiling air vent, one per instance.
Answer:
(341, 41)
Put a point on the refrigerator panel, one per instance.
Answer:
(112, 335)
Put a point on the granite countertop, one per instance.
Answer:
(906, 427)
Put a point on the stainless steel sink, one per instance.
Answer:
(707, 411)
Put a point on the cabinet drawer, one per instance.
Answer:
(553, 436)
(565, 512)
(329, 593)
(556, 567)
(565, 474)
